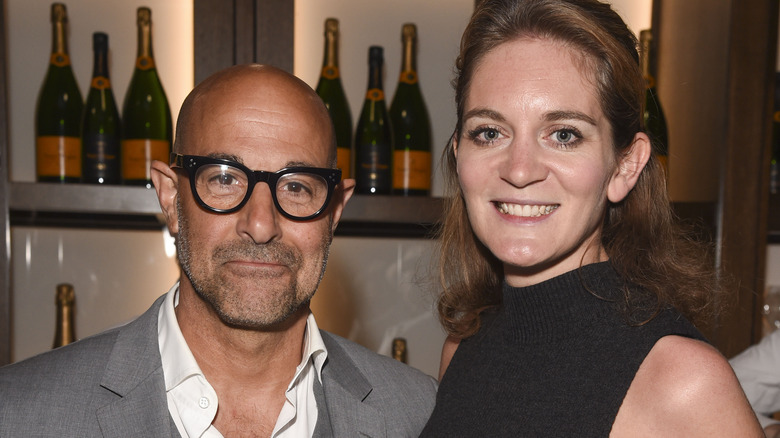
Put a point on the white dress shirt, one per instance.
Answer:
(192, 402)
(758, 371)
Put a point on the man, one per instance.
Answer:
(758, 371)
(232, 350)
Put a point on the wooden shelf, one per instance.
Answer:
(123, 207)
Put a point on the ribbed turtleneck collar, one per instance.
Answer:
(563, 306)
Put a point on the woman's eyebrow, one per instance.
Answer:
(554, 116)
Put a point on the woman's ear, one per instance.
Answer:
(629, 168)
(454, 144)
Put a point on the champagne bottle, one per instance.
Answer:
(374, 136)
(65, 331)
(147, 129)
(58, 112)
(100, 129)
(399, 349)
(655, 122)
(774, 172)
(332, 93)
(411, 125)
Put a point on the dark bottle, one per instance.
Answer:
(65, 330)
(100, 129)
(58, 112)
(374, 135)
(332, 93)
(399, 349)
(655, 122)
(411, 125)
(774, 174)
(147, 130)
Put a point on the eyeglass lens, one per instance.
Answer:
(224, 187)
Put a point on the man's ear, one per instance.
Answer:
(341, 195)
(629, 168)
(165, 184)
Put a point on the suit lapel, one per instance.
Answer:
(342, 399)
(134, 373)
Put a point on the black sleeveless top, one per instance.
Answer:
(556, 359)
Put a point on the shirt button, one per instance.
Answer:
(203, 402)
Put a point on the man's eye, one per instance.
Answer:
(225, 179)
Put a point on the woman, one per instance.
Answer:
(565, 280)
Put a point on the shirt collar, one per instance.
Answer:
(313, 349)
(181, 369)
(178, 361)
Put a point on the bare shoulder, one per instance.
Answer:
(685, 387)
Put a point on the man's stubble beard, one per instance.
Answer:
(218, 293)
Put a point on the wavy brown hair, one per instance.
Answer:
(645, 243)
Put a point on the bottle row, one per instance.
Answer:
(78, 141)
(391, 149)
(65, 327)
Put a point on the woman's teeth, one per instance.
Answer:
(525, 210)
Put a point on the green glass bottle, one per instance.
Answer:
(411, 125)
(100, 129)
(58, 112)
(374, 134)
(65, 329)
(332, 93)
(147, 130)
(774, 170)
(655, 122)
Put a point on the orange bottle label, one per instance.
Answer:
(408, 77)
(664, 160)
(100, 83)
(58, 156)
(60, 59)
(330, 72)
(137, 156)
(411, 170)
(650, 80)
(144, 63)
(343, 160)
(375, 94)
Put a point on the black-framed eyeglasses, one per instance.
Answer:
(224, 186)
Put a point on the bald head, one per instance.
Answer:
(260, 87)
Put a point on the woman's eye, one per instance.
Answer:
(484, 135)
(565, 137)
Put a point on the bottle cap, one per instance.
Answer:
(331, 26)
(99, 41)
(58, 13)
(376, 54)
(144, 16)
(409, 31)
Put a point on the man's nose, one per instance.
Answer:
(259, 219)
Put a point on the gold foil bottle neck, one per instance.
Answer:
(409, 30)
(399, 349)
(59, 13)
(331, 26)
(66, 296)
(144, 16)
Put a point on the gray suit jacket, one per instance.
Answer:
(111, 385)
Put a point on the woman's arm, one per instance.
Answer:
(685, 388)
